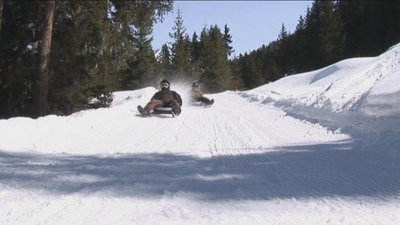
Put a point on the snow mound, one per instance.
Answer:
(358, 96)
(124, 97)
(363, 85)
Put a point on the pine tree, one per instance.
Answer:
(298, 47)
(217, 74)
(301, 24)
(251, 71)
(195, 51)
(237, 82)
(18, 56)
(181, 65)
(195, 48)
(283, 35)
(283, 54)
(370, 26)
(88, 61)
(86, 65)
(135, 19)
(164, 62)
(324, 34)
(228, 40)
(145, 62)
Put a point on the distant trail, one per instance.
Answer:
(234, 125)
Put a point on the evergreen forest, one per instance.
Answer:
(59, 57)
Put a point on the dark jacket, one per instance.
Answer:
(167, 97)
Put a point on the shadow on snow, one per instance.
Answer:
(299, 172)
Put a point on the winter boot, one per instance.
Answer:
(176, 109)
(209, 103)
(142, 111)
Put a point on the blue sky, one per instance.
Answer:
(251, 23)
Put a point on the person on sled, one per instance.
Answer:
(198, 96)
(163, 98)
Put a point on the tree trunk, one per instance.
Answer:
(42, 77)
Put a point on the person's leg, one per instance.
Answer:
(176, 108)
(204, 100)
(153, 104)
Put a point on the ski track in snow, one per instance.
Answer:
(238, 162)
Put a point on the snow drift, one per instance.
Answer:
(358, 95)
(362, 85)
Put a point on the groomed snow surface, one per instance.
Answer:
(315, 148)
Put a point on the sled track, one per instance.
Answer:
(245, 141)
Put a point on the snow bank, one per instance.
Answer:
(358, 95)
(359, 85)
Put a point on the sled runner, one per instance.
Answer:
(198, 103)
(157, 111)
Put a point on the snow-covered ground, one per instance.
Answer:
(315, 148)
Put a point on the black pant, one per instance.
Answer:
(203, 99)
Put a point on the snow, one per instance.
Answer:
(320, 147)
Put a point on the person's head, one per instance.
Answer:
(164, 84)
(195, 85)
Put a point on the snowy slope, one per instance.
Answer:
(349, 85)
(359, 96)
(313, 148)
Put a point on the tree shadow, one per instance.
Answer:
(368, 132)
(319, 170)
